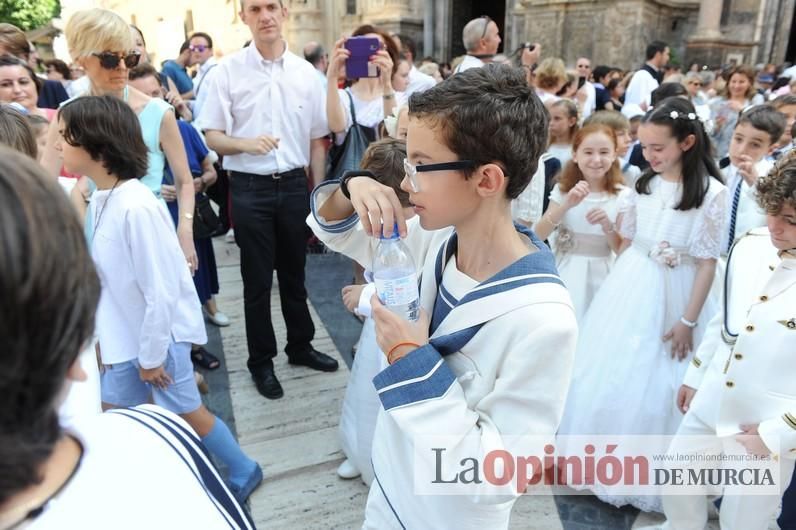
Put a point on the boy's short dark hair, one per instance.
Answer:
(385, 159)
(50, 282)
(601, 71)
(108, 129)
(783, 101)
(765, 118)
(778, 188)
(204, 36)
(488, 115)
(141, 71)
(185, 46)
(654, 48)
(666, 91)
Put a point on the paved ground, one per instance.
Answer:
(295, 438)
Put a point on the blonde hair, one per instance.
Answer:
(97, 30)
(551, 73)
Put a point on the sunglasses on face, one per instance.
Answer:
(111, 60)
(198, 48)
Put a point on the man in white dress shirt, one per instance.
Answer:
(269, 123)
(481, 38)
(649, 76)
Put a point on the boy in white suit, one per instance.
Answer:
(756, 134)
(741, 378)
(490, 357)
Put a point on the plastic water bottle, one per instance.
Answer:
(395, 277)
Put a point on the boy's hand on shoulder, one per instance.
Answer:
(351, 294)
(392, 330)
(377, 205)
(155, 376)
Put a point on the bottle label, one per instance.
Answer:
(397, 291)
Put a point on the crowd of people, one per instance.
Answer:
(601, 252)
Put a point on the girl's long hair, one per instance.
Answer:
(571, 174)
(698, 167)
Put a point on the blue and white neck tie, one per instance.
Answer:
(736, 198)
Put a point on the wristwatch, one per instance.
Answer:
(348, 175)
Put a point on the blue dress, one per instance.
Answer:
(206, 277)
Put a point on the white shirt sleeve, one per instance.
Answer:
(158, 280)
(216, 109)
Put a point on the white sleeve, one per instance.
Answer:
(626, 214)
(706, 351)
(706, 235)
(320, 121)
(363, 307)
(347, 236)
(216, 109)
(158, 280)
(422, 394)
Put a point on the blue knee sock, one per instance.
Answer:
(222, 444)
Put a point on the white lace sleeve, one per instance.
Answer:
(626, 213)
(527, 208)
(709, 226)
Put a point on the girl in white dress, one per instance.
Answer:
(651, 312)
(583, 211)
(563, 126)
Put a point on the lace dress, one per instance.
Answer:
(624, 380)
(583, 256)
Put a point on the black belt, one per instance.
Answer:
(292, 173)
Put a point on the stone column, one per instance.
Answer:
(709, 21)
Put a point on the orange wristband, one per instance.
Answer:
(392, 350)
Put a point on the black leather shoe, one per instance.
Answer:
(268, 385)
(315, 360)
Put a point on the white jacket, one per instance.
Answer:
(750, 379)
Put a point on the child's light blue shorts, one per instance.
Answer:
(122, 385)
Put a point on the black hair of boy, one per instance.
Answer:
(385, 159)
(666, 91)
(488, 115)
(50, 282)
(765, 118)
(16, 131)
(697, 162)
(108, 129)
(143, 70)
(654, 48)
(778, 189)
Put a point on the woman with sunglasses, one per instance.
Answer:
(102, 43)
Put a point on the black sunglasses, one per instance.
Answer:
(111, 60)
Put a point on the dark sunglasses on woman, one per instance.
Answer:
(111, 60)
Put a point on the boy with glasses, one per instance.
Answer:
(490, 356)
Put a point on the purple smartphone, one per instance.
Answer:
(362, 49)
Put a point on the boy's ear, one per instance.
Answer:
(490, 180)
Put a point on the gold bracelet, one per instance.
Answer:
(547, 218)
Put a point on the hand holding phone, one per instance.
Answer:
(361, 49)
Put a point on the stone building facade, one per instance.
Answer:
(712, 32)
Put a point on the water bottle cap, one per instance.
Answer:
(395, 233)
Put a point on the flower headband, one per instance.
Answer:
(682, 115)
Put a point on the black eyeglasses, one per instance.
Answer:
(487, 20)
(111, 60)
(412, 171)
